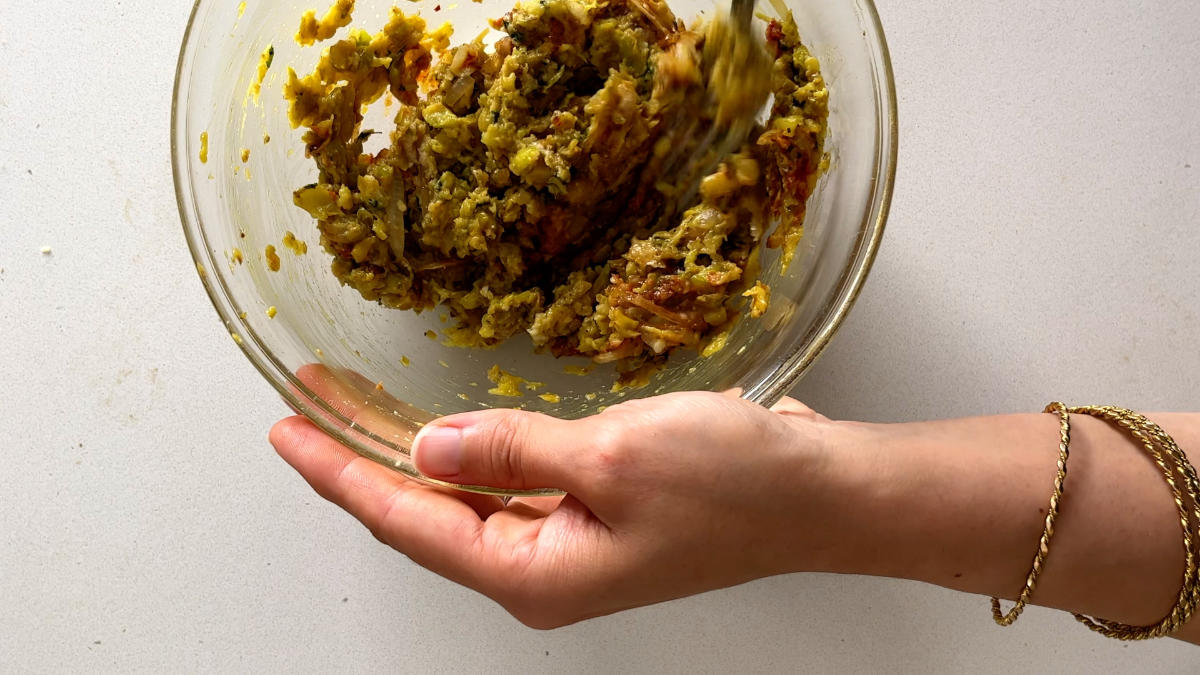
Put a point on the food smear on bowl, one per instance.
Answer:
(264, 64)
(760, 299)
(530, 185)
(508, 384)
(296, 246)
(272, 258)
(337, 16)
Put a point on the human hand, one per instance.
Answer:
(685, 493)
(667, 497)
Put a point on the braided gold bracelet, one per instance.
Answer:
(1171, 461)
(1064, 452)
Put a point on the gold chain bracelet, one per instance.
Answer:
(1064, 452)
(1171, 461)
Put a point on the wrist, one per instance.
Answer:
(885, 482)
(927, 501)
(830, 518)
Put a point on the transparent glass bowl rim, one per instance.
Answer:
(336, 425)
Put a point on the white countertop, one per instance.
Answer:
(1042, 245)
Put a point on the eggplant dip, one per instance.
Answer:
(536, 184)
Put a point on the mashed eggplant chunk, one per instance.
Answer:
(533, 185)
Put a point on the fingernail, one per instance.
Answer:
(438, 452)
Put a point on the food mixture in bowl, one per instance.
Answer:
(537, 184)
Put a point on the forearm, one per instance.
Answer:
(962, 504)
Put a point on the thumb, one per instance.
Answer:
(509, 449)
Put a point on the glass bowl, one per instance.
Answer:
(371, 376)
